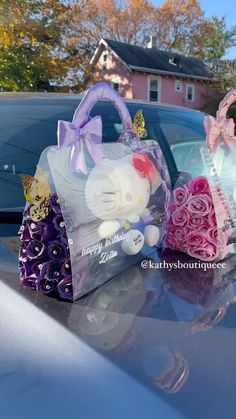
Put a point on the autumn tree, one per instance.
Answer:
(217, 38)
(32, 52)
(180, 25)
(176, 22)
(127, 21)
(50, 43)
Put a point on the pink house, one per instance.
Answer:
(150, 74)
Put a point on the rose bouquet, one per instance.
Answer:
(44, 258)
(192, 224)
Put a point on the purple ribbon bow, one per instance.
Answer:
(81, 137)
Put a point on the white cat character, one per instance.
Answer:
(117, 192)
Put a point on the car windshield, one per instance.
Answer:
(29, 124)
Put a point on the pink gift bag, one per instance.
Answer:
(202, 212)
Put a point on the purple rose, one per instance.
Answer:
(56, 250)
(35, 249)
(64, 239)
(45, 285)
(59, 223)
(36, 229)
(43, 230)
(33, 267)
(199, 185)
(54, 203)
(22, 270)
(29, 282)
(180, 217)
(23, 252)
(24, 232)
(66, 267)
(181, 195)
(52, 271)
(200, 205)
(65, 288)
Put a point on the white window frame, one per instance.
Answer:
(158, 78)
(116, 80)
(105, 61)
(193, 92)
(180, 83)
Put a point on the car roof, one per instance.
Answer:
(78, 96)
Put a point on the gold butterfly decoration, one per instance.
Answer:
(37, 191)
(139, 124)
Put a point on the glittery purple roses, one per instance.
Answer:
(44, 257)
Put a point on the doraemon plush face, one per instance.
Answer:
(120, 189)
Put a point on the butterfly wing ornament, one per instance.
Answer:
(139, 124)
(37, 192)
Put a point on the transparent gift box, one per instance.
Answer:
(202, 211)
(93, 209)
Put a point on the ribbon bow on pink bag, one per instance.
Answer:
(81, 137)
(221, 127)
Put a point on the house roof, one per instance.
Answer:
(152, 60)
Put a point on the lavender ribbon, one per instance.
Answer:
(81, 137)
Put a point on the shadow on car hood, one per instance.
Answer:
(173, 330)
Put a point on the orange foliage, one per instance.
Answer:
(178, 25)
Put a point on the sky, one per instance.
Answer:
(225, 8)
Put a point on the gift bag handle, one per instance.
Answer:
(226, 103)
(102, 90)
(221, 128)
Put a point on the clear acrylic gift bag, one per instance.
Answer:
(108, 200)
(202, 212)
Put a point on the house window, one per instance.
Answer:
(154, 89)
(104, 64)
(190, 92)
(178, 86)
(116, 84)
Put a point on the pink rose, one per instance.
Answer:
(171, 207)
(196, 221)
(176, 237)
(181, 195)
(200, 205)
(180, 216)
(197, 238)
(212, 218)
(199, 185)
(216, 236)
(200, 246)
(207, 253)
